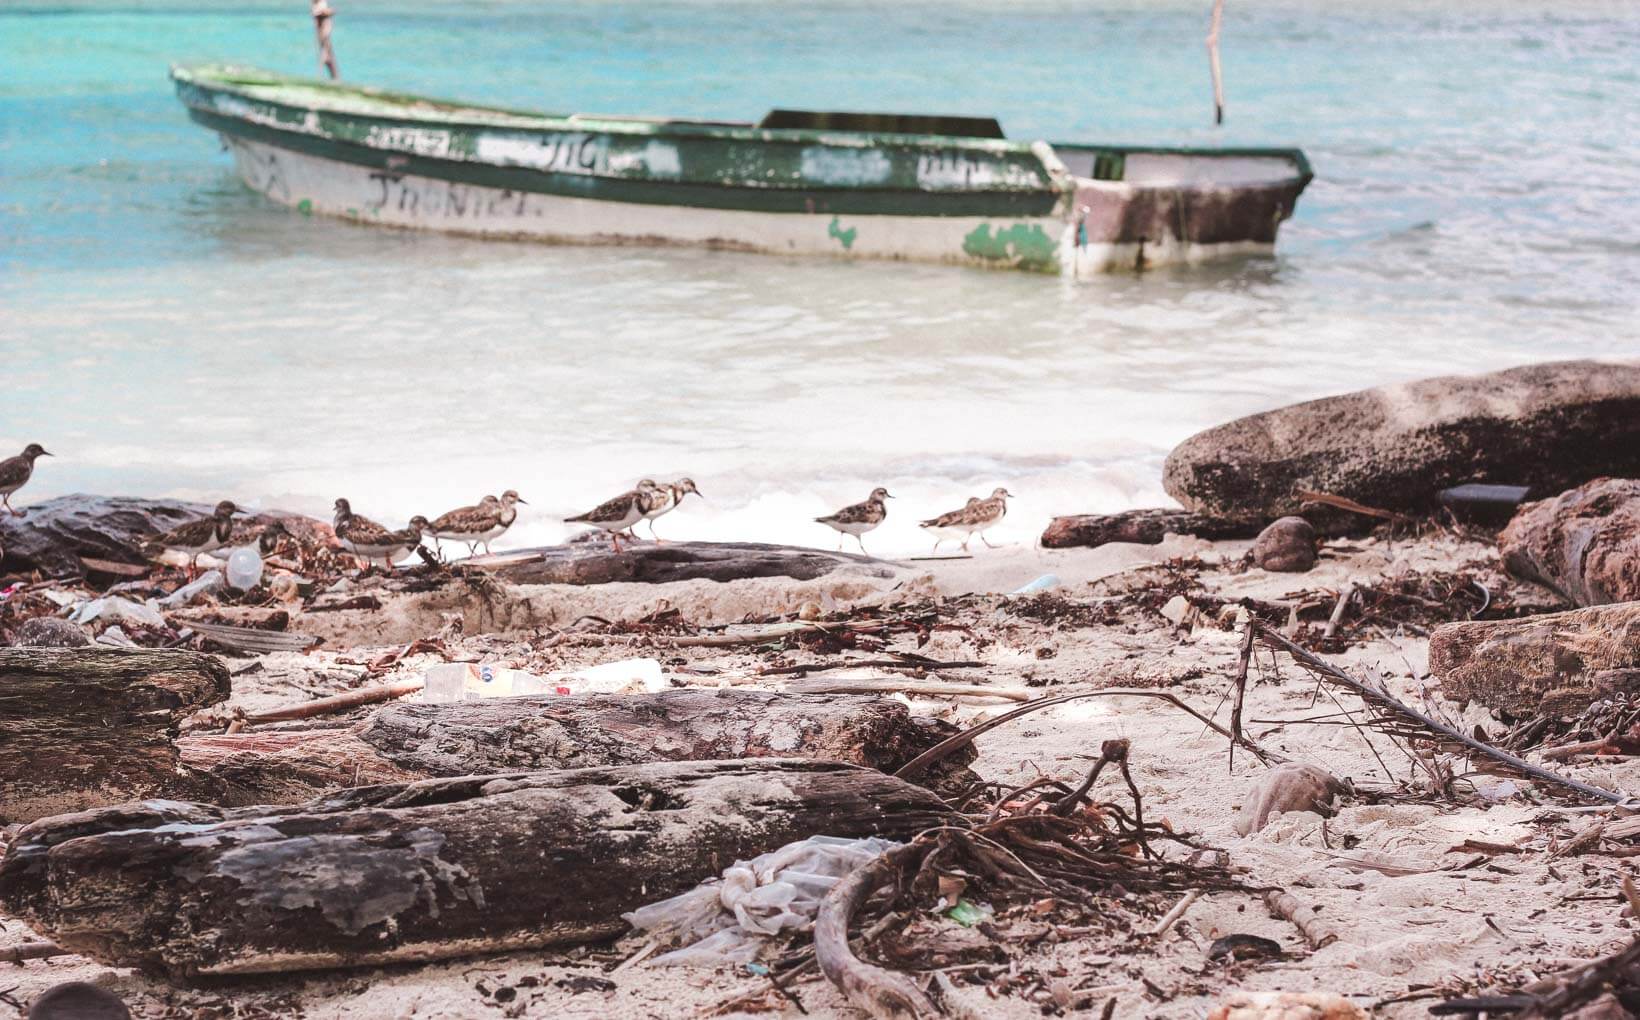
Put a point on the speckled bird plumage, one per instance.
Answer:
(976, 517)
(858, 518)
(16, 471)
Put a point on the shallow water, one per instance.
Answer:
(165, 331)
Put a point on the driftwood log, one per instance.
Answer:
(598, 563)
(409, 741)
(424, 871)
(83, 727)
(1143, 527)
(1555, 664)
(1585, 543)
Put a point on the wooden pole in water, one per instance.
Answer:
(322, 13)
(1212, 61)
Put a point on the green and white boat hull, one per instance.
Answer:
(409, 162)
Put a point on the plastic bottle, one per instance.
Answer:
(244, 568)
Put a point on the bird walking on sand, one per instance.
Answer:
(478, 525)
(370, 541)
(16, 471)
(859, 518)
(979, 516)
(618, 514)
(206, 535)
(663, 499)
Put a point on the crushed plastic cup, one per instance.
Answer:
(474, 681)
(244, 568)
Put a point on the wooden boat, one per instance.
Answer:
(938, 189)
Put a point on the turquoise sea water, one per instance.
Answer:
(1477, 204)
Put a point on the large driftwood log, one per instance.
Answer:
(82, 727)
(1142, 527)
(424, 871)
(598, 563)
(285, 766)
(1548, 426)
(547, 731)
(1555, 664)
(1585, 543)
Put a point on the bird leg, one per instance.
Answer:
(987, 541)
(487, 548)
(6, 499)
(862, 542)
(965, 542)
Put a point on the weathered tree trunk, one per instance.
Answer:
(598, 563)
(1555, 664)
(548, 731)
(424, 871)
(1585, 543)
(1142, 527)
(285, 766)
(83, 727)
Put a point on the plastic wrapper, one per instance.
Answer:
(729, 920)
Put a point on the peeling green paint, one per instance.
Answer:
(1025, 245)
(845, 237)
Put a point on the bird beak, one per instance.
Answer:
(521, 499)
(47, 453)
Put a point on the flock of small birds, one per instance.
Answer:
(490, 517)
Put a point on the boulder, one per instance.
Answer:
(1287, 546)
(58, 536)
(1585, 543)
(1556, 664)
(1548, 426)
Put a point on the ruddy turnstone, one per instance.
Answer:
(663, 499)
(618, 514)
(206, 535)
(369, 541)
(479, 524)
(16, 471)
(859, 518)
(979, 516)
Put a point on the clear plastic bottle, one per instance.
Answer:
(244, 568)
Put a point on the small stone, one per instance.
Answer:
(1287, 546)
(50, 632)
(1290, 786)
(78, 1000)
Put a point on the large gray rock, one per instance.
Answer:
(1585, 543)
(1549, 426)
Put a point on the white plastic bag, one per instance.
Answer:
(730, 919)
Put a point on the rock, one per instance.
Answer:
(1548, 426)
(598, 563)
(1584, 543)
(1555, 664)
(54, 537)
(1287, 546)
(1285, 1006)
(77, 1000)
(1288, 787)
(50, 632)
(1141, 527)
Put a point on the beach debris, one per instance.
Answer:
(285, 766)
(1286, 546)
(1583, 543)
(1143, 527)
(1243, 1005)
(1044, 582)
(1291, 786)
(50, 632)
(254, 640)
(423, 871)
(208, 583)
(77, 1000)
(1239, 946)
(1597, 990)
(113, 609)
(84, 727)
(595, 563)
(469, 681)
(1389, 715)
(1554, 665)
(1317, 932)
(732, 918)
(1549, 426)
(1479, 503)
(546, 731)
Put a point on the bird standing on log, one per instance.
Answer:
(205, 535)
(369, 541)
(979, 516)
(16, 471)
(618, 514)
(859, 518)
(663, 499)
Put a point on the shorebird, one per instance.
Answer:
(859, 518)
(476, 525)
(664, 499)
(977, 517)
(369, 541)
(16, 471)
(208, 534)
(618, 514)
